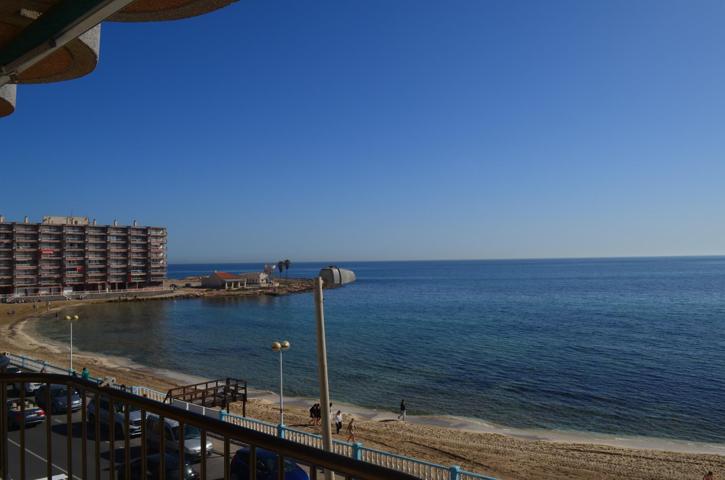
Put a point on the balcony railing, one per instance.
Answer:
(120, 441)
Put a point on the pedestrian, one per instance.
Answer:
(402, 410)
(85, 374)
(351, 431)
(709, 476)
(338, 422)
(313, 415)
(318, 414)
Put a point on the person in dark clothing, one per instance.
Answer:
(313, 414)
(402, 410)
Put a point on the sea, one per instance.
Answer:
(629, 346)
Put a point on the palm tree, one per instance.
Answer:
(280, 267)
(287, 263)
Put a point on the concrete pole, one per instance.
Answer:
(71, 345)
(322, 370)
(281, 391)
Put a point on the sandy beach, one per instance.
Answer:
(479, 447)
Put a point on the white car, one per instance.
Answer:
(170, 430)
(30, 387)
(134, 417)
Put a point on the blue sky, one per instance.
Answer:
(392, 130)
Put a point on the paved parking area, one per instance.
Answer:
(36, 452)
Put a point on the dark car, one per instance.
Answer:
(32, 413)
(266, 466)
(153, 466)
(58, 399)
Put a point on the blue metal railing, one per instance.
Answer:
(412, 466)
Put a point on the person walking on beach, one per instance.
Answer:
(313, 414)
(402, 410)
(338, 422)
(316, 414)
(351, 431)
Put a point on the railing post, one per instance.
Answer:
(22, 361)
(357, 451)
(221, 415)
(455, 472)
(280, 430)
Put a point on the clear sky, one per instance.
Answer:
(378, 129)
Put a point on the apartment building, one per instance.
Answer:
(62, 254)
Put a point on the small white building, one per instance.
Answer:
(231, 281)
(255, 279)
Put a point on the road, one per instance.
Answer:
(36, 451)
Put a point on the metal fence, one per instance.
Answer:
(87, 456)
(412, 466)
(85, 294)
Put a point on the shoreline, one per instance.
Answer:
(462, 423)
(385, 432)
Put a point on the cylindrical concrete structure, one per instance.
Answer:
(7, 100)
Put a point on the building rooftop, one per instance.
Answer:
(227, 276)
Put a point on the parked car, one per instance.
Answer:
(32, 413)
(134, 417)
(14, 389)
(58, 399)
(153, 467)
(170, 430)
(266, 466)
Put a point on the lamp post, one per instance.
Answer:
(70, 320)
(281, 347)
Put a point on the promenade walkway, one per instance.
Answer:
(418, 468)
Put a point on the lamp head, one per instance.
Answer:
(285, 345)
(276, 346)
(68, 317)
(75, 317)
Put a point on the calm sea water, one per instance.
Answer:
(625, 346)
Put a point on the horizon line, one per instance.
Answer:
(503, 259)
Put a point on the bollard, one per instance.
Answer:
(280, 430)
(455, 472)
(357, 451)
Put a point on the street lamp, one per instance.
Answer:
(281, 347)
(70, 320)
